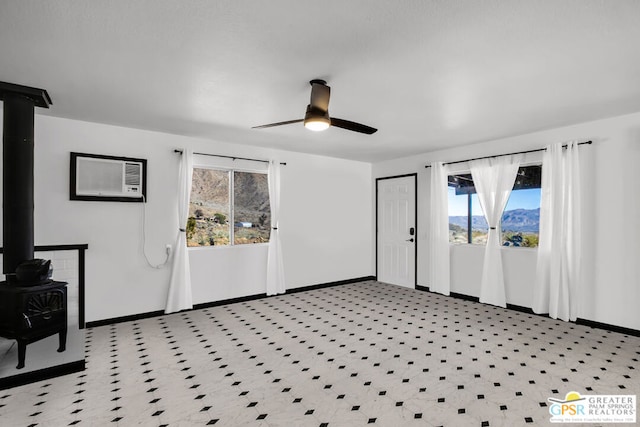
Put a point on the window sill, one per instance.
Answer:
(507, 248)
(519, 248)
(221, 247)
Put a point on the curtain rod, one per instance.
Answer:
(508, 154)
(230, 157)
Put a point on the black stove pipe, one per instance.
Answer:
(17, 180)
(17, 172)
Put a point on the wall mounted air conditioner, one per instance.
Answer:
(107, 178)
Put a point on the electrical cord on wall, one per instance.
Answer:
(144, 239)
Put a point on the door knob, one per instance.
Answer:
(410, 240)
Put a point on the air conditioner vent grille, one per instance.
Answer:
(96, 176)
(132, 173)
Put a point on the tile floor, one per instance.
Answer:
(352, 355)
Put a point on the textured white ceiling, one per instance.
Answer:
(427, 74)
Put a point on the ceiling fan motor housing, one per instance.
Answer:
(315, 114)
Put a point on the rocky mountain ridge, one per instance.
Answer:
(516, 220)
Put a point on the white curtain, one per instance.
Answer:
(275, 266)
(493, 179)
(439, 275)
(558, 269)
(179, 296)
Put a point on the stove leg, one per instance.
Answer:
(62, 337)
(22, 349)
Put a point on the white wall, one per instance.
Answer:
(611, 219)
(325, 224)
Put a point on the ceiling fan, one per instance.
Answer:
(317, 115)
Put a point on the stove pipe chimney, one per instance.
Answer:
(17, 172)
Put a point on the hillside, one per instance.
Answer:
(210, 213)
(210, 193)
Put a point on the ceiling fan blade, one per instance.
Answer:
(356, 127)
(320, 94)
(270, 125)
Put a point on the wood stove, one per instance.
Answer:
(31, 313)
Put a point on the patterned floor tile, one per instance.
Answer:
(353, 355)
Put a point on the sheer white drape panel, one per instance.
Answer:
(493, 179)
(275, 265)
(559, 257)
(439, 274)
(179, 296)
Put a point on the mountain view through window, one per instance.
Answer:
(228, 208)
(520, 224)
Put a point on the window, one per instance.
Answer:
(464, 205)
(228, 208)
(251, 213)
(520, 219)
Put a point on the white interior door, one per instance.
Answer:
(396, 231)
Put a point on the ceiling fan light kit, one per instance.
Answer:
(317, 116)
(316, 120)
